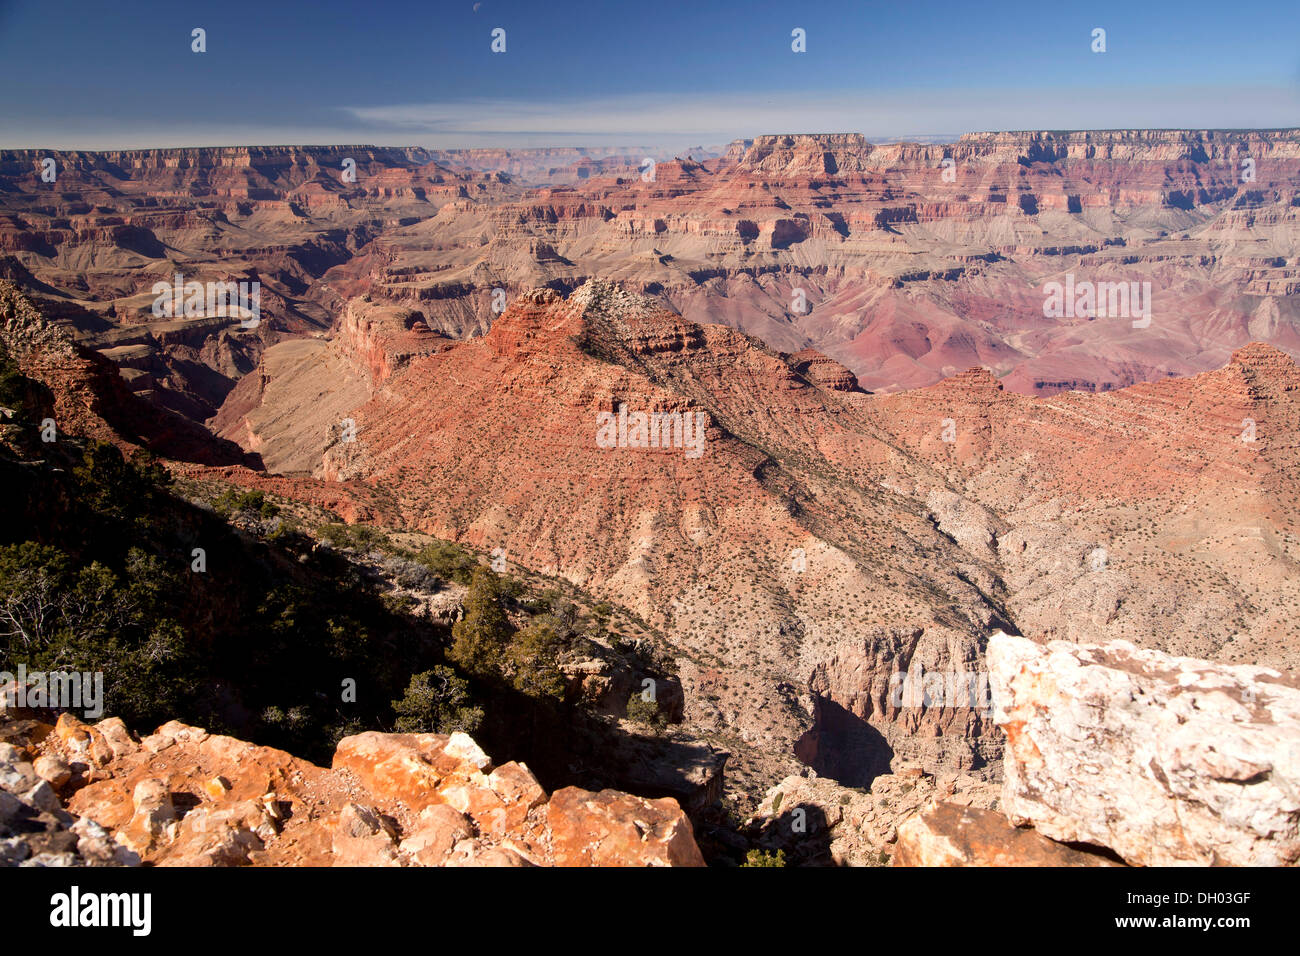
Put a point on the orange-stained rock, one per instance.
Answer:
(53, 769)
(950, 835)
(412, 768)
(95, 745)
(499, 803)
(217, 787)
(153, 822)
(503, 808)
(438, 829)
(515, 784)
(224, 836)
(611, 828)
(184, 797)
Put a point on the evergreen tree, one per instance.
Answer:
(481, 636)
(533, 655)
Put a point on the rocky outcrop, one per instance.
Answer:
(807, 154)
(35, 829)
(1120, 755)
(611, 828)
(1165, 760)
(823, 371)
(951, 835)
(899, 696)
(184, 797)
(817, 822)
(382, 338)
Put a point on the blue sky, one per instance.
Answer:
(101, 74)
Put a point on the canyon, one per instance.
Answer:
(909, 466)
(1074, 516)
(905, 262)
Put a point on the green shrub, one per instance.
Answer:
(644, 711)
(448, 561)
(61, 616)
(357, 537)
(437, 701)
(764, 858)
(114, 488)
(232, 500)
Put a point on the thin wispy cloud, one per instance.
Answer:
(700, 118)
(683, 119)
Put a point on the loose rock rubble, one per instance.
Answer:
(35, 829)
(815, 821)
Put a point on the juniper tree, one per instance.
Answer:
(481, 636)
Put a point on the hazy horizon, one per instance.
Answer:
(629, 148)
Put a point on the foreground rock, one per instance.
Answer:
(817, 822)
(184, 797)
(35, 829)
(951, 835)
(1166, 760)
